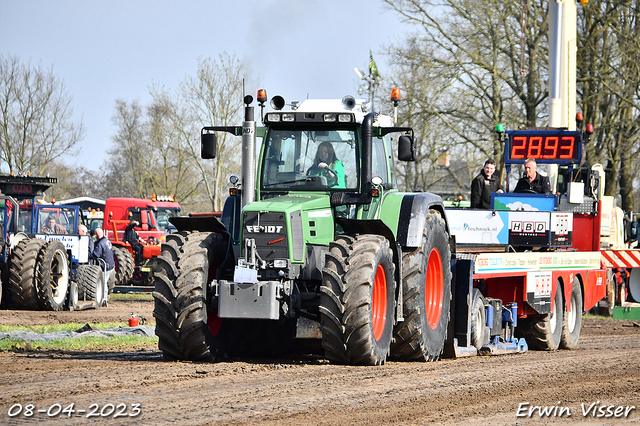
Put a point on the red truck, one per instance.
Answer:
(164, 208)
(118, 212)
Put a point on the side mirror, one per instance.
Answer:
(208, 143)
(406, 149)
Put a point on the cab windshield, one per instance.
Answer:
(310, 160)
(162, 216)
(56, 220)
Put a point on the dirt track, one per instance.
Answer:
(309, 390)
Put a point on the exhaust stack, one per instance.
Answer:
(248, 153)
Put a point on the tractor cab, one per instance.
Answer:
(324, 165)
(57, 219)
(32, 215)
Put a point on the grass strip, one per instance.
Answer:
(79, 343)
(82, 343)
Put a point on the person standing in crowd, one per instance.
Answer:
(82, 230)
(102, 250)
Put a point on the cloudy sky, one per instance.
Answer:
(105, 50)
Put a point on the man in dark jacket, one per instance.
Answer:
(533, 181)
(483, 185)
(132, 237)
(102, 250)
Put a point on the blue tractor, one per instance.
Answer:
(45, 263)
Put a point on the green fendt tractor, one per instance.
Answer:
(317, 242)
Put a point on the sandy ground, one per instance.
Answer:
(135, 386)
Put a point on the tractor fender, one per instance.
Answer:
(413, 214)
(211, 224)
(378, 227)
(202, 224)
(372, 226)
(17, 238)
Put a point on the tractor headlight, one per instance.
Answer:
(288, 117)
(280, 263)
(272, 117)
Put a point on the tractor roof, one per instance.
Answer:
(348, 105)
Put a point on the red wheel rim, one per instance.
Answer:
(379, 303)
(433, 289)
(214, 322)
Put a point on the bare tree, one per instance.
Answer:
(467, 67)
(609, 90)
(156, 149)
(171, 173)
(73, 181)
(35, 117)
(128, 162)
(488, 61)
(212, 97)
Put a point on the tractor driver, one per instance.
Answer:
(51, 227)
(132, 237)
(327, 164)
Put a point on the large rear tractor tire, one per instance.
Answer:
(572, 323)
(358, 300)
(544, 332)
(185, 327)
(90, 283)
(52, 276)
(171, 248)
(22, 270)
(427, 295)
(124, 266)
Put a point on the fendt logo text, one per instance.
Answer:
(270, 229)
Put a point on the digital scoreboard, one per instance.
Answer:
(545, 146)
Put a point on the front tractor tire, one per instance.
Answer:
(427, 295)
(90, 283)
(52, 276)
(357, 300)
(185, 328)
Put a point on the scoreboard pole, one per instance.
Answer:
(562, 69)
